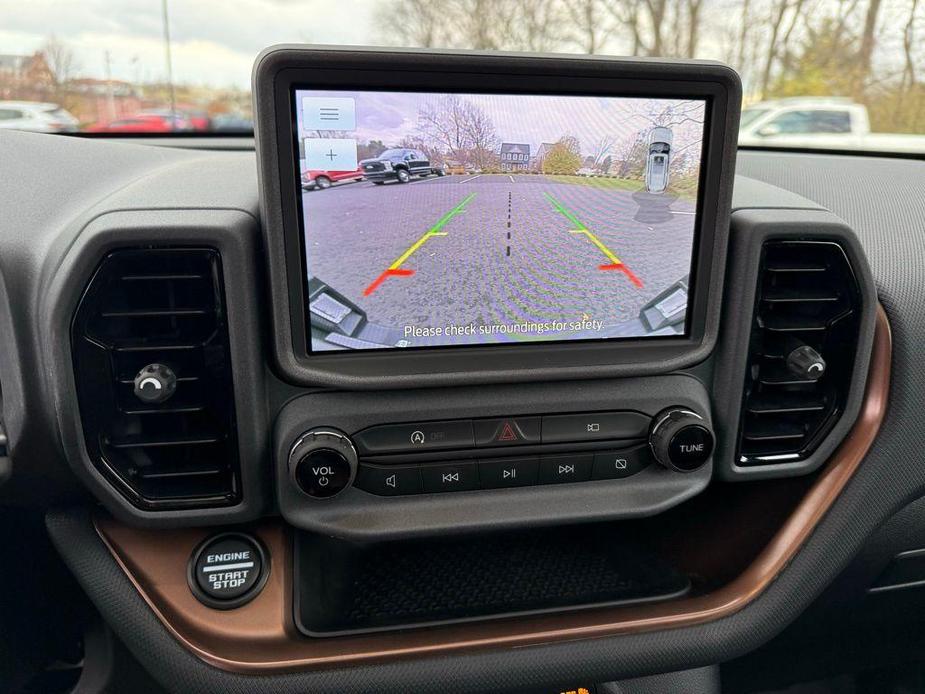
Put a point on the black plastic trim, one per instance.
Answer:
(234, 234)
(751, 229)
(360, 515)
(918, 156)
(839, 313)
(97, 378)
(307, 547)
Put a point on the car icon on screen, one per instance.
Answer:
(658, 159)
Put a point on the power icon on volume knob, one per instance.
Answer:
(323, 463)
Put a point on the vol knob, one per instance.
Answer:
(323, 463)
(681, 439)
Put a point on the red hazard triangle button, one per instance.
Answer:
(507, 433)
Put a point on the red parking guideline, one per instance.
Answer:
(394, 270)
(381, 278)
(615, 262)
(625, 270)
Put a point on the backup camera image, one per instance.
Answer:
(465, 219)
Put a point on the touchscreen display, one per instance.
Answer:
(434, 220)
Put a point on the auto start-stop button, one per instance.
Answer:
(228, 570)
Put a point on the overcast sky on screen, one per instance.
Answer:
(522, 119)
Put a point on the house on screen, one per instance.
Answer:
(515, 157)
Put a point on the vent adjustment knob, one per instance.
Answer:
(155, 383)
(806, 362)
(681, 439)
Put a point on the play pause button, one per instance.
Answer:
(507, 472)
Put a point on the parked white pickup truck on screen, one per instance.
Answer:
(819, 123)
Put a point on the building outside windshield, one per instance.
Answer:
(819, 74)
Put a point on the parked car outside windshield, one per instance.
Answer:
(826, 74)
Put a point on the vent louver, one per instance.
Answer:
(158, 306)
(807, 295)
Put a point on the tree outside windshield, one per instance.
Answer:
(844, 74)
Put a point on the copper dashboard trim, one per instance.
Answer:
(260, 637)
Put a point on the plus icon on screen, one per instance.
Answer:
(329, 153)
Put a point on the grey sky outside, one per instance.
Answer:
(213, 42)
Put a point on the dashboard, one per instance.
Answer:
(286, 441)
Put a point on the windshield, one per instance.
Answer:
(750, 115)
(183, 66)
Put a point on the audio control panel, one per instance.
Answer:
(502, 472)
(498, 452)
(491, 456)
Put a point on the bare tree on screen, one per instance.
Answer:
(483, 137)
(602, 147)
(460, 128)
(444, 122)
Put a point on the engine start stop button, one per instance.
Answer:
(228, 570)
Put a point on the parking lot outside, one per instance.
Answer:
(497, 249)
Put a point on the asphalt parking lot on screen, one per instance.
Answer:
(497, 248)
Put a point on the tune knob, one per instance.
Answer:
(680, 439)
(323, 462)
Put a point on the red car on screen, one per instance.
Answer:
(312, 179)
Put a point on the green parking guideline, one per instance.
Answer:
(395, 268)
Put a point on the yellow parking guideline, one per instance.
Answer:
(433, 231)
(407, 254)
(582, 229)
(597, 242)
(615, 262)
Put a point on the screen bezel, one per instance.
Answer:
(280, 71)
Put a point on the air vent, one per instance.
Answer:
(808, 296)
(158, 306)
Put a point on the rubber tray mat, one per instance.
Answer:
(345, 588)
